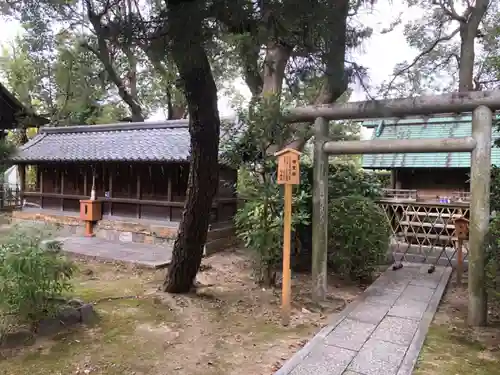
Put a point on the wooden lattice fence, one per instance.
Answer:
(424, 231)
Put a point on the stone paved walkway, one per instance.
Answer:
(381, 333)
(150, 256)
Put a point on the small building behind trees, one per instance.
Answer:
(139, 172)
(426, 177)
(428, 191)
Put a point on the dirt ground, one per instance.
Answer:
(229, 326)
(453, 348)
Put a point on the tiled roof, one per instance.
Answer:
(165, 141)
(445, 126)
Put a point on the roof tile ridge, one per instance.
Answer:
(32, 141)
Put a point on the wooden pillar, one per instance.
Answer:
(480, 178)
(40, 168)
(22, 182)
(320, 211)
(110, 188)
(138, 193)
(85, 182)
(63, 170)
(169, 191)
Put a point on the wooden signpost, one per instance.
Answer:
(288, 175)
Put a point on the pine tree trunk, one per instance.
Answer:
(204, 127)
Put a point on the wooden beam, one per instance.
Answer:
(396, 146)
(456, 102)
(115, 200)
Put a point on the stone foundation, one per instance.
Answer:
(220, 236)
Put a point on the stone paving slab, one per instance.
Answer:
(381, 333)
(144, 255)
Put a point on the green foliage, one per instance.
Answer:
(346, 179)
(32, 279)
(492, 258)
(6, 149)
(259, 221)
(261, 228)
(358, 236)
(495, 189)
(58, 79)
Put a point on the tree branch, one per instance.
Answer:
(104, 55)
(448, 8)
(421, 55)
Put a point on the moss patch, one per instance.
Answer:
(452, 352)
(232, 326)
(453, 348)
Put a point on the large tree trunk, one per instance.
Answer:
(204, 127)
(468, 32)
(102, 52)
(277, 56)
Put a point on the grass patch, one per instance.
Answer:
(232, 326)
(449, 349)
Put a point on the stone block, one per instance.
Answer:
(350, 334)
(325, 360)
(49, 327)
(386, 299)
(429, 281)
(51, 245)
(76, 302)
(17, 338)
(369, 312)
(125, 237)
(396, 330)
(410, 309)
(69, 316)
(418, 293)
(138, 237)
(87, 313)
(378, 358)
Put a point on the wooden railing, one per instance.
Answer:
(400, 194)
(10, 196)
(171, 210)
(411, 195)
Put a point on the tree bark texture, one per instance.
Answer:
(468, 32)
(204, 127)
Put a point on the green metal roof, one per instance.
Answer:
(450, 126)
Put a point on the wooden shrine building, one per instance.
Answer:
(140, 171)
(426, 177)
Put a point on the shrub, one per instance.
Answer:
(32, 280)
(346, 179)
(495, 189)
(492, 258)
(358, 236)
(259, 222)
